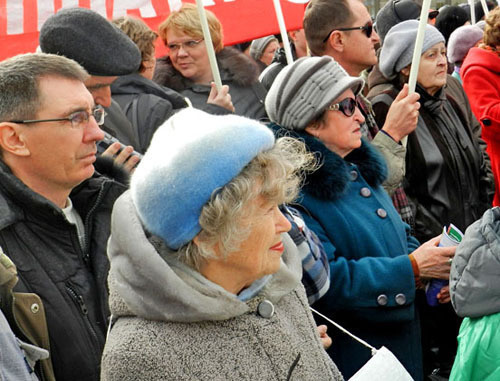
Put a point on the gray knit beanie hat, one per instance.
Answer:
(258, 46)
(397, 50)
(461, 40)
(91, 40)
(303, 90)
(394, 12)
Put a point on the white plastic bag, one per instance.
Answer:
(383, 366)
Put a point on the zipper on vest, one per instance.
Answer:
(78, 299)
(86, 224)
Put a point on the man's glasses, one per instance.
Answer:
(346, 106)
(187, 45)
(78, 119)
(367, 30)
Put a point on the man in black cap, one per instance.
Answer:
(55, 211)
(106, 53)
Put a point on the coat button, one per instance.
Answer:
(266, 309)
(382, 300)
(35, 308)
(354, 175)
(381, 213)
(365, 192)
(400, 299)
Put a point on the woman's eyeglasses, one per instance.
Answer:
(187, 45)
(346, 106)
(367, 30)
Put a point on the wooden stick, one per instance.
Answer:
(208, 43)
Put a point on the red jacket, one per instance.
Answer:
(480, 74)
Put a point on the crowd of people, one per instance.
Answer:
(156, 227)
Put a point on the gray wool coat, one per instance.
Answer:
(475, 271)
(173, 324)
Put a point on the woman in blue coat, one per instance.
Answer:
(375, 263)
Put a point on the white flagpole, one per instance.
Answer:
(417, 52)
(485, 8)
(472, 12)
(208, 43)
(284, 35)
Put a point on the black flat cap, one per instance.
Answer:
(91, 40)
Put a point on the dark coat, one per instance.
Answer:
(117, 124)
(237, 71)
(69, 279)
(146, 104)
(372, 288)
(448, 173)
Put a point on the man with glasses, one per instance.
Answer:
(54, 210)
(343, 29)
(106, 53)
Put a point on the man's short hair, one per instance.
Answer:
(19, 82)
(320, 18)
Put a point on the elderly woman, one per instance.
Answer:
(375, 264)
(448, 177)
(204, 281)
(481, 80)
(262, 50)
(186, 69)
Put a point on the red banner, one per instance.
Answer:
(242, 20)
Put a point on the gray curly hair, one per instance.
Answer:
(275, 174)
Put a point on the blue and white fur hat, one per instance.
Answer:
(192, 155)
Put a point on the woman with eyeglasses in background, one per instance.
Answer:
(186, 68)
(448, 175)
(375, 263)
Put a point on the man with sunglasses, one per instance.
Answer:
(343, 29)
(55, 211)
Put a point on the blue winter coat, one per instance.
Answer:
(372, 290)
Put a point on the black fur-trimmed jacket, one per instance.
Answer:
(69, 280)
(237, 71)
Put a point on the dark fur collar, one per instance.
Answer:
(233, 65)
(330, 181)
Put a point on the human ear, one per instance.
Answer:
(312, 130)
(406, 70)
(336, 41)
(196, 240)
(12, 139)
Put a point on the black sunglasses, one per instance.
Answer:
(367, 30)
(347, 106)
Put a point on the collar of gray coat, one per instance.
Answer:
(142, 283)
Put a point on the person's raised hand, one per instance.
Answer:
(220, 98)
(124, 158)
(402, 117)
